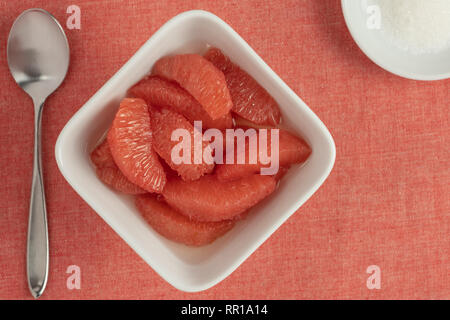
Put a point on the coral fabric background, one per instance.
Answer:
(386, 203)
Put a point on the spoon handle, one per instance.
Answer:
(37, 246)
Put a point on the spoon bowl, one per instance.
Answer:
(38, 53)
(38, 58)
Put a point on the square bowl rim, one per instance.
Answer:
(84, 111)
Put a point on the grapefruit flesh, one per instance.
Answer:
(292, 150)
(177, 227)
(240, 122)
(194, 207)
(250, 100)
(163, 93)
(108, 172)
(209, 199)
(200, 78)
(164, 123)
(130, 140)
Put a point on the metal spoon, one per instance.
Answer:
(38, 58)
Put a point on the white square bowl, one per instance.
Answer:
(187, 268)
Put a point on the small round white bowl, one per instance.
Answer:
(378, 47)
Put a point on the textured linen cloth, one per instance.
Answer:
(386, 202)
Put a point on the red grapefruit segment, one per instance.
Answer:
(177, 227)
(164, 123)
(292, 150)
(108, 172)
(101, 156)
(209, 199)
(200, 78)
(130, 140)
(163, 93)
(250, 100)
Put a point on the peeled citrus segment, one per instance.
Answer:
(200, 78)
(208, 199)
(292, 150)
(177, 227)
(101, 156)
(114, 178)
(163, 93)
(130, 140)
(240, 122)
(281, 173)
(250, 100)
(108, 172)
(164, 123)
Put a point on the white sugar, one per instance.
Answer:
(419, 26)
